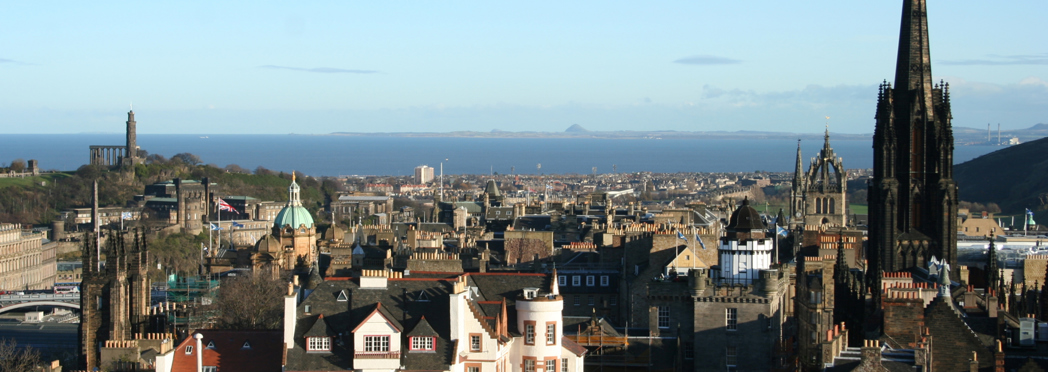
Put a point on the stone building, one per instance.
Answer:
(292, 242)
(913, 197)
(116, 156)
(185, 203)
(114, 297)
(25, 261)
(818, 196)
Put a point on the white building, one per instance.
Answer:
(745, 251)
(474, 322)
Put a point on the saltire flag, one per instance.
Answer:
(223, 206)
(681, 236)
(1029, 212)
(781, 231)
(700, 241)
(549, 187)
(216, 227)
(235, 224)
(125, 215)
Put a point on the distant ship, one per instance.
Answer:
(204, 137)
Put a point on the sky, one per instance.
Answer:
(385, 66)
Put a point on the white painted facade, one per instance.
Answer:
(743, 262)
(383, 359)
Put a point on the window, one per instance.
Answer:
(564, 365)
(589, 280)
(689, 350)
(730, 357)
(319, 344)
(373, 344)
(529, 333)
(613, 301)
(529, 365)
(591, 300)
(562, 280)
(189, 349)
(576, 280)
(551, 333)
(472, 369)
(211, 344)
(247, 346)
(474, 342)
(731, 318)
(551, 365)
(664, 316)
(578, 301)
(815, 297)
(422, 343)
(604, 281)
(209, 368)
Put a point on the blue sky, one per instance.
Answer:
(321, 67)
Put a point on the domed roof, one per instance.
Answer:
(745, 218)
(294, 215)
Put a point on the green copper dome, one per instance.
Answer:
(294, 215)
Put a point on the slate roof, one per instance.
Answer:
(229, 353)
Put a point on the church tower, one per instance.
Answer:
(797, 192)
(825, 187)
(913, 197)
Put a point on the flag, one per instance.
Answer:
(681, 236)
(549, 187)
(781, 231)
(700, 241)
(215, 227)
(223, 206)
(125, 215)
(235, 224)
(1029, 212)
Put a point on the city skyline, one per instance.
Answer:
(333, 67)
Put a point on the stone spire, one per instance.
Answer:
(797, 192)
(913, 69)
(991, 263)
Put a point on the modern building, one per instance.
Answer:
(423, 174)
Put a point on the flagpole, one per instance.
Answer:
(212, 252)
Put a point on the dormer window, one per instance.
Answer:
(189, 349)
(211, 344)
(318, 344)
(423, 343)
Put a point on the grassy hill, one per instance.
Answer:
(1014, 177)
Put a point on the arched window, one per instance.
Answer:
(833, 207)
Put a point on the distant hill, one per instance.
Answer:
(1014, 177)
(575, 128)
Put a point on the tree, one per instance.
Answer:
(15, 359)
(18, 165)
(155, 159)
(187, 158)
(251, 301)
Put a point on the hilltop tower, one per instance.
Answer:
(913, 197)
(132, 145)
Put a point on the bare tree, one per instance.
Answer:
(18, 165)
(251, 301)
(15, 359)
(187, 158)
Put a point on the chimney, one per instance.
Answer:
(199, 353)
(290, 316)
(871, 354)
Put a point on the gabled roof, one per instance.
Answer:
(422, 329)
(319, 328)
(385, 315)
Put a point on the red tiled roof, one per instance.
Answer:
(266, 352)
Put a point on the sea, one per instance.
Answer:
(340, 155)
